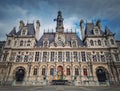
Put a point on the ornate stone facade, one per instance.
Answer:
(92, 60)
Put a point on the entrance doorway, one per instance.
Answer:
(60, 72)
(19, 75)
(101, 75)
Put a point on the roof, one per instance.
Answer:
(51, 38)
(30, 29)
(13, 31)
(89, 29)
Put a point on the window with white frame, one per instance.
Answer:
(67, 56)
(59, 56)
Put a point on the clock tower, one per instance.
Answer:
(59, 25)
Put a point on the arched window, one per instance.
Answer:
(112, 41)
(91, 43)
(35, 71)
(52, 71)
(99, 42)
(43, 71)
(28, 43)
(21, 43)
(84, 72)
(76, 72)
(68, 71)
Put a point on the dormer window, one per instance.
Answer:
(96, 31)
(45, 43)
(74, 44)
(23, 32)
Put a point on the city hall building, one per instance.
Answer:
(61, 55)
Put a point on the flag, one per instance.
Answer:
(55, 19)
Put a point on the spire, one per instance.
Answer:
(82, 28)
(59, 26)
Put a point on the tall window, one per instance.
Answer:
(83, 56)
(43, 71)
(52, 56)
(36, 56)
(5, 56)
(18, 58)
(21, 43)
(67, 56)
(112, 41)
(102, 58)
(94, 58)
(35, 71)
(52, 71)
(44, 56)
(75, 56)
(59, 56)
(116, 57)
(15, 43)
(99, 42)
(84, 72)
(91, 43)
(26, 58)
(68, 71)
(76, 72)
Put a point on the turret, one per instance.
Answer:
(21, 25)
(82, 29)
(59, 26)
(98, 23)
(37, 30)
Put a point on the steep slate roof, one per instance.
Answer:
(89, 29)
(13, 31)
(51, 37)
(30, 29)
(107, 31)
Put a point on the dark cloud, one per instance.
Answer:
(46, 10)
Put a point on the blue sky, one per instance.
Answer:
(12, 11)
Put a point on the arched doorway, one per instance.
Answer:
(20, 74)
(101, 74)
(60, 72)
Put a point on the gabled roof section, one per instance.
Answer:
(13, 31)
(89, 29)
(31, 29)
(51, 38)
(107, 31)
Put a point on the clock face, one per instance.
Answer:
(60, 39)
(60, 43)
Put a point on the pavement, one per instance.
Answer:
(59, 88)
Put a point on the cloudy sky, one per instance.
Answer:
(12, 11)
